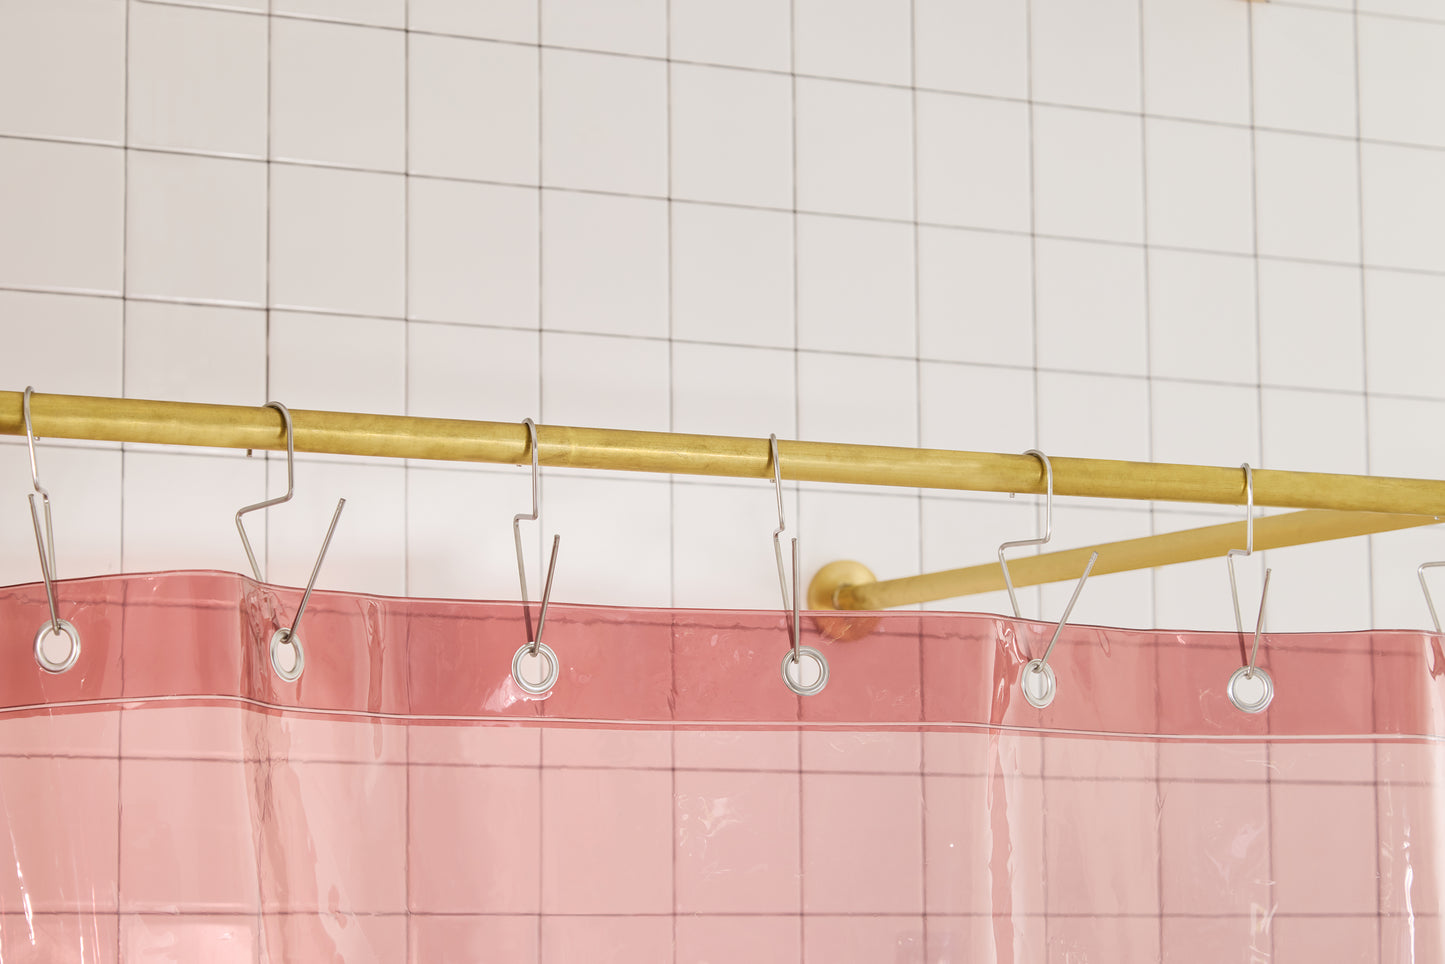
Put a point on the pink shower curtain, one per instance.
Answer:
(170, 799)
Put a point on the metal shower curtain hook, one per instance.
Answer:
(46, 546)
(534, 648)
(1048, 529)
(1250, 688)
(1425, 588)
(1037, 679)
(288, 637)
(792, 660)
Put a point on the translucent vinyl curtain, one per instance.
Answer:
(170, 799)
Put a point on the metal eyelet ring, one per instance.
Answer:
(549, 678)
(1250, 692)
(283, 637)
(793, 671)
(66, 630)
(1038, 683)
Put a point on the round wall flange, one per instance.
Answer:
(823, 595)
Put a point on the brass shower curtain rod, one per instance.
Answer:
(1357, 504)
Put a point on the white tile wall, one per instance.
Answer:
(935, 223)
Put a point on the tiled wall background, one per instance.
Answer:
(1182, 230)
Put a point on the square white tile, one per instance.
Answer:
(604, 264)
(1306, 431)
(252, 6)
(1196, 60)
(494, 20)
(484, 374)
(879, 528)
(1088, 175)
(973, 48)
(975, 409)
(854, 149)
(975, 297)
(196, 228)
(602, 382)
(458, 525)
(634, 27)
(178, 511)
(1422, 9)
(604, 122)
(474, 253)
(1086, 55)
(85, 495)
(336, 363)
(619, 555)
(61, 344)
(746, 33)
(723, 390)
(1402, 66)
(338, 94)
(855, 285)
(1307, 197)
(853, 398)
(973, 162)
(1196, 424)
(187, 353)
(853, 39)
(967, 532)
(1194, 596)
(1092, 313)
(1404, 201)
(1394, 427)
(338, 240)
(70, 56)
(1405, 332)
(1117, 599)
(1397, 601)
(367, 553)
(722, 547)
(1304, 69)
(1200, 182)
(1093, 416)
(380, 13)
(1311, 326)
(64, 215)
(732, 275)
(472, 109)
(1202, 317)
(1319, 588)
(732, 136)
(197, 79)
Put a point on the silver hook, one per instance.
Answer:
(1048, 529)
(1429, 600)
(1248, 549)
(792, 660)
(290, 488)
(288, 636)
(1250, 688)
(1038, 681)
(45, 545)
(534, 647)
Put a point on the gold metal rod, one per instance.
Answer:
(1270, 532)
(397, 436)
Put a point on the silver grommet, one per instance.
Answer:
(67, 630)
(1038, 683)
(549, 678)
(793, 671)
(1250, 691)
(283, 637)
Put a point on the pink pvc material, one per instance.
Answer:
(171, 799)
